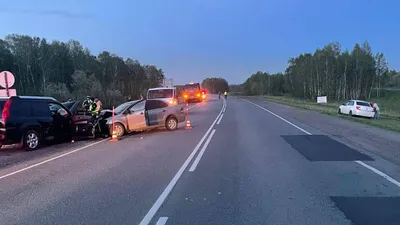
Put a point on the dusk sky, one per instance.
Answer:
(194, 39)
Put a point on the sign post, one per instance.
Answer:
(5, 78)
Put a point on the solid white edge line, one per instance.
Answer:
(220, 118)
(283, 119)
(160, 200)
(162, 221)
(198, 158)
(51, 159)
(380, 173)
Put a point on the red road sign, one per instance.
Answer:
(7, 79)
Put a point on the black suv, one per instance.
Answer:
(33, 120)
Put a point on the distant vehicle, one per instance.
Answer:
(357, 108)
(145, 114)
(193, 93)
(33, 119)
(162, 93)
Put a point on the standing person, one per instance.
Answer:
(376, 110)
(87, 103)
(219, 95)
(97, 106)
(95, 109)
(226, 94)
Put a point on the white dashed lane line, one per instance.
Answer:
(160, 200)
(162, 221)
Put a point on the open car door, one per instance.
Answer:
(156, 110)
(72, 106)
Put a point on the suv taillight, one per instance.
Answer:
(6, 110)
(358, 107)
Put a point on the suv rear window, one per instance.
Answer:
(192, 87)
(21, 109)
(363, 104)
(41, 109)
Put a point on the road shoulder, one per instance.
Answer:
(383, 143)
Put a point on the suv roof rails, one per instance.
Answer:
(31, 97)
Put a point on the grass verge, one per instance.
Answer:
(389, 120)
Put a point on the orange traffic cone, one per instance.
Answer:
(188, 126)
(114, 136)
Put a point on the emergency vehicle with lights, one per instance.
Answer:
(193, 93)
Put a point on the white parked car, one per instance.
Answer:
(357, 108)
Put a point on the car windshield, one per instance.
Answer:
(121, 108)
(161, 93)
(192, 87)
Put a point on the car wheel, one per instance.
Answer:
(350, 113)
(119, 130)
(31, 140)
(171, 123)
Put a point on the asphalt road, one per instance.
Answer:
(241, 163)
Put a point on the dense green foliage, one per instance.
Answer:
(328, 71)
(214, 85)
(68, 70)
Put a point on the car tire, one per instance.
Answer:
(31, 140)
(350, 113)
(171, 123)
(119, 130)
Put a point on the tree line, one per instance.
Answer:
(329, 71)
(214, 85)
(68, 70)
